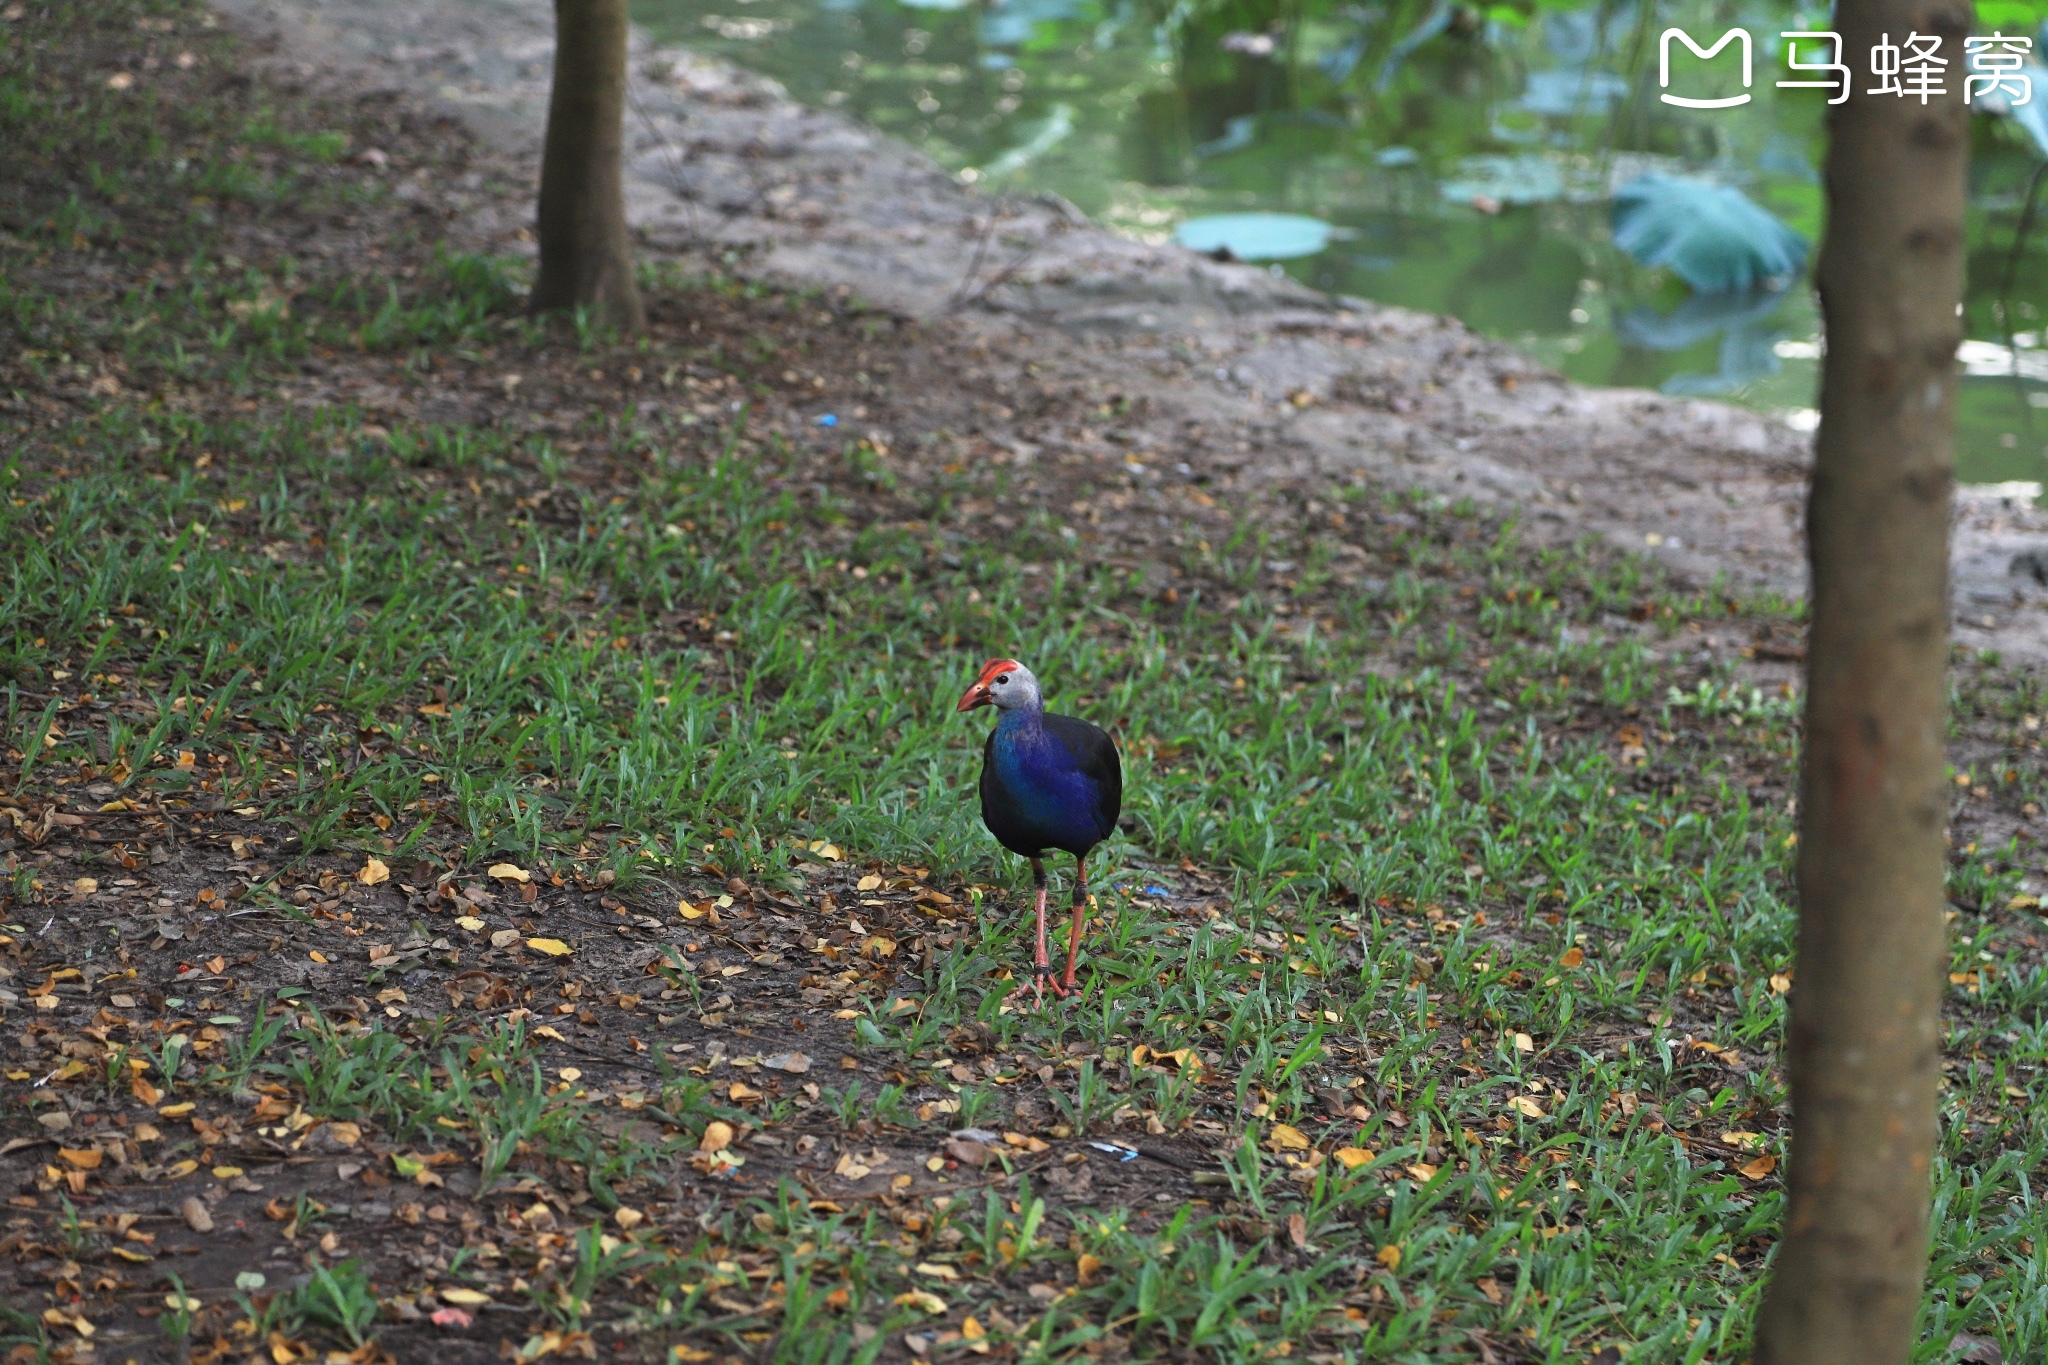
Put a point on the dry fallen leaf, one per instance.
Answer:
(1759, 1168)
(1089, 1267)
(1390, 1257)
(1572, 957)
(85, 886)
(1527, 1107)
(505, 938)
(793, 1062)
(509, 872)
(1353, 1157)
(196, 1216)
(1286, 1137)
(553, 947)
(465, 1298)
(85, 1159)
(717, 1136)
(1524, 1043)
(374, 873)
(470, 922)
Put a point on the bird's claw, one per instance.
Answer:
(1044, 977)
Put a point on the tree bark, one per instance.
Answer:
(1863, 1047)
(586, 260)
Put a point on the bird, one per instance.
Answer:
(1048, 782)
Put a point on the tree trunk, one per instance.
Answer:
(1863, 1049)
(585, 258)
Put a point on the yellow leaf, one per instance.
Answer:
(921, 1298)
(1781, 982)
(936, 1271)
(1572, 957)
(85, 1159)
(346, 1133)
(1353, 1157)
(570, 1074)
(553, 947)
(829, 852)
(178, 1110)
(1286, 1137)
(717, 1136)
(374, 872)
(317, 955)
(1089, 1267)
(627, 1217)
(509, 872)
(226, 1172)
(1524, 1043)
(85, 886)
(1423, 1171)
(1389, 1256)
(972, 1330)
(549, 1031)
(462, 1298)
(182, 1169)
(1759, 1168)
(1527, 1107)
(469, 922)
(869, 883)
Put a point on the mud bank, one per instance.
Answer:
(1231, 371)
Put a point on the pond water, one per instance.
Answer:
(1454, 159)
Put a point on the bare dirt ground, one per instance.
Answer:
(1242, 376)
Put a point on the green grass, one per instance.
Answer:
(642, 645)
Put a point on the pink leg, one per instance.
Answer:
(1041, 971)
(1080, 909)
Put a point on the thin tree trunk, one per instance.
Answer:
(585, 257)
(1864, 1043)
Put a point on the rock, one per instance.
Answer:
(2031, 564)
(196, 1215)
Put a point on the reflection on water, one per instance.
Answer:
(1466, 161)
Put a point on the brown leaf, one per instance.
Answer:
(968, 1152)
(196, 1215)
(1297, 1229)
(1759, 1168)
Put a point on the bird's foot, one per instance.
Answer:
(1043, 978)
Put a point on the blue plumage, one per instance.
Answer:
(1044, 784)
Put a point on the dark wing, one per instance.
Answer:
(1095, 755)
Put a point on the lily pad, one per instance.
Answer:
(1256, 236)
(1505, 180)
(1711, 236)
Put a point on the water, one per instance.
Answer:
(1464, 162)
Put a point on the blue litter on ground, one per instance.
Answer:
(1157, 891)
(1120, 1153)
(830, 419)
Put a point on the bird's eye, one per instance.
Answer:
(1002, 677)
